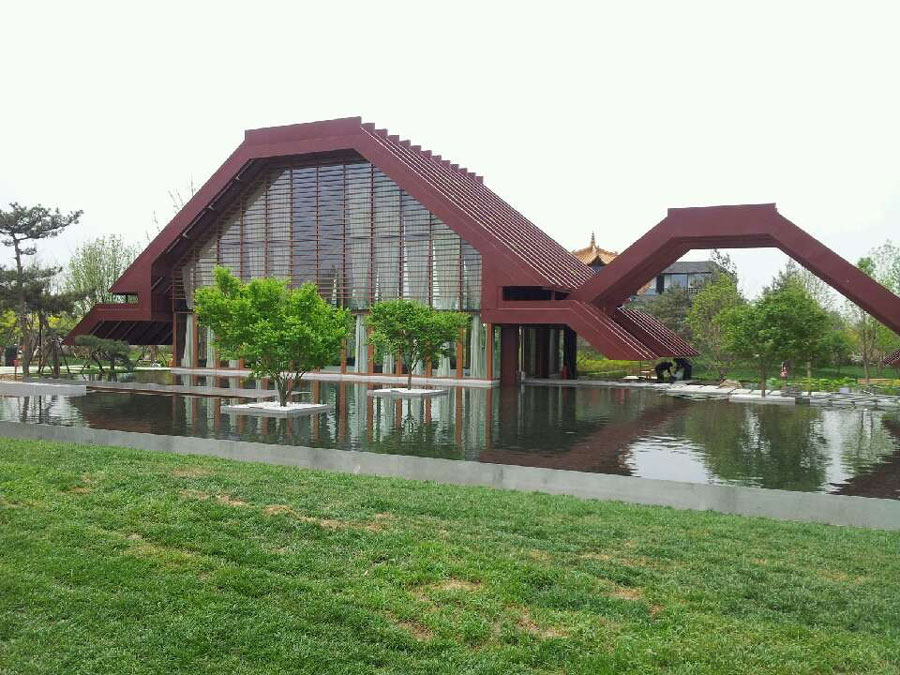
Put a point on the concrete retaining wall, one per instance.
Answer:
(781, 504)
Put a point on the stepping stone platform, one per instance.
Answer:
(274, 409)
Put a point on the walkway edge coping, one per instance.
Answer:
(747, 501)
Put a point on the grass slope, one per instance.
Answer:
(120, 561)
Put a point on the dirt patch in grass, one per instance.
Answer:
(80, 490)
(629, 561)
(223, 498)
(456, 585)
(194, 494)
(539, 555)
(842, 577)
(528, 624)
(230, 501)
(594, 555)
(416, 629)
(285, 510)
(423, 592)
(191, 472)
(167, 556)
(627, 593)
(375, 525)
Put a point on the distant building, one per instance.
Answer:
(690, 274)
(684, 274)
(594, 257)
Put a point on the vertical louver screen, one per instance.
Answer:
(346, 227)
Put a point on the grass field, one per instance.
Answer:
(119, 561)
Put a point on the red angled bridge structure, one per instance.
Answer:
(368, 216)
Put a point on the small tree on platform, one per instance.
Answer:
(281, 334)
(415, 332)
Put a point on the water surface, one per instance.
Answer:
(632, 432)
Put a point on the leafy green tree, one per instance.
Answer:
(280, 333)
(793, 273)
(783, 323)
(415, 332)
(836, 345)
(20, 228)
(863, 327)
(94, 267)
(704, 319)
(47, 314)
(886, 265)
(672, 308)
(102, 350)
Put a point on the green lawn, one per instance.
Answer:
(121, 561)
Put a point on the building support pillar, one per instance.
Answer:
(542, 352)
(570, 353)
(509, 356)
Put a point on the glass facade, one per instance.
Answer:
(345, 226)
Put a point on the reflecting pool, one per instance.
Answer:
(633, 432)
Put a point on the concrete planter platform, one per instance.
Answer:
(403, 392)
(773, 398)
(13, 388)
(273, 409)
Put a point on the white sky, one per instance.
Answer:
(594, 116)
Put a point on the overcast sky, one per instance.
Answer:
(584, 117)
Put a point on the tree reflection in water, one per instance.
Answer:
(771, 446)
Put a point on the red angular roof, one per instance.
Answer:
(515, 252)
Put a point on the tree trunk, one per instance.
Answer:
(23, 320)
(281, 384)
(866, 369)
(809, 376)
(763, 374)
(409, 378)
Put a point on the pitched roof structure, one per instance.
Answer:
(593, 254)
(515, 252)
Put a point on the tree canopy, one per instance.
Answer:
(280, 333)
(671, 308)
(784, 323)
(413, 331)
(704, 320)
(94, 267)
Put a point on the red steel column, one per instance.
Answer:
(509, 356)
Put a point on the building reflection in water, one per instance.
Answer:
(607, 430)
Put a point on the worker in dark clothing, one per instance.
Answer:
(685, 367)
(663, 367)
